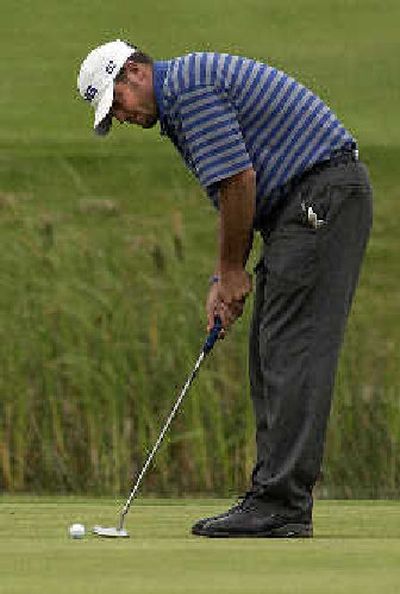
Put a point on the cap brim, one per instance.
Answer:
(103, 117)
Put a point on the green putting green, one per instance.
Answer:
(356, 549)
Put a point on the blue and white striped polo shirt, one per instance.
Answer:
(227, 113)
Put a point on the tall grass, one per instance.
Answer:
(101, 321)
(96, 338)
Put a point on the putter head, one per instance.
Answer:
(110, 532)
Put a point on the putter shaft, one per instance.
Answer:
(150, 457)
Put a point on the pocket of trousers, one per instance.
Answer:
(290, 257)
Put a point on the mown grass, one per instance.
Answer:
(355, 549)
(106, 247)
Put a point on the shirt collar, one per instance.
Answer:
(159, 72)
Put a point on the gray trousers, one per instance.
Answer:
(305, 282)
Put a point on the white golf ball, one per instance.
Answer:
(76, 531)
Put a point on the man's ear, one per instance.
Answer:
(134, 71)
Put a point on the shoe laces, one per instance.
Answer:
(245, 501)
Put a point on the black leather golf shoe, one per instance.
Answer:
(251, 518)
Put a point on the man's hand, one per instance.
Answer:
(227, 297)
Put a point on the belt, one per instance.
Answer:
(346, 154)
(339, 157)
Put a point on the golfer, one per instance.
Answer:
(274, 159)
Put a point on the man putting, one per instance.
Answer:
(272, 158)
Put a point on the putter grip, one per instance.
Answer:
(213, 336)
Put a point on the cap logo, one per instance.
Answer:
(90, 93)
(111, 66)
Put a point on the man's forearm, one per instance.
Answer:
(237, 209)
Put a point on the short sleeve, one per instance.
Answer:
(212, 134)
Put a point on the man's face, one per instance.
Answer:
(134, 100)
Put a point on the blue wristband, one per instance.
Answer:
(214, 279)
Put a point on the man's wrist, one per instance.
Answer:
(231, 270)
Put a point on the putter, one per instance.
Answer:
(119, 531)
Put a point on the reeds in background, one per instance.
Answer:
(101, 321)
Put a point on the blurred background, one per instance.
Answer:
(106, 247)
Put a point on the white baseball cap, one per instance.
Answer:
(96, 79)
